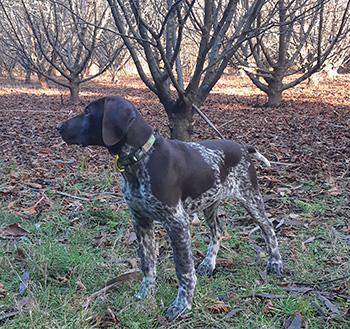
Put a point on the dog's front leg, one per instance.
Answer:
(179, 235)
(144, 230)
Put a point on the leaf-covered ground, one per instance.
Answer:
(47, 186)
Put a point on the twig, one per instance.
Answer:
(283, 163)
(132, 275)
(118, 195)
(35, 111)
(319, 282)
(207, 121)
(8, 315)
(72, 196)
(333, 280)
(227, 122)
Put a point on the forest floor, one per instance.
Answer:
(63, 221)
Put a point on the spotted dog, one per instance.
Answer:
(165, 180)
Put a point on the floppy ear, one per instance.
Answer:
(118, 116)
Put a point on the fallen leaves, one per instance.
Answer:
(2, 290)
(13, 230)
(219, 308)
(303, 141)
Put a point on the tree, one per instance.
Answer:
(161, 33)
(304, 36)
(61, 35)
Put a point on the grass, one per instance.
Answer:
(72, 241)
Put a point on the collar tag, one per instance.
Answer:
(116, 158)
(134, 158)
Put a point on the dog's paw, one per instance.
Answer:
(205, 268)
(275, 266)
(175, 310)
(147, 289)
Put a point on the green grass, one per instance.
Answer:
(61, 250)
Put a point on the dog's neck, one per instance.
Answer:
(134, 146)
(138, 134)
(127, 162)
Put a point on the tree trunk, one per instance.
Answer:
(274, 98)
(275, 87)
(28, 75)
(180, 120)
(44, 84)
(74, 92)
(9, 69)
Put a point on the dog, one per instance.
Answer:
(165, 180)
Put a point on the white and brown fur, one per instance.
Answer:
(174, 179)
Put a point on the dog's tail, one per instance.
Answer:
(252, 151)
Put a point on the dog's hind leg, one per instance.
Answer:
(254, 204)
(177, 226)
(207, 266)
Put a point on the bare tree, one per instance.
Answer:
(299, 44)
(61, 35)
(160, 33)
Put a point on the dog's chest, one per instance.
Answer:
(137, 193)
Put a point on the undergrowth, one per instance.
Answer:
(84, 238)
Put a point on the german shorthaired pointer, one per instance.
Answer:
(165, 180)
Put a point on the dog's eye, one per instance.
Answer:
(87, 111)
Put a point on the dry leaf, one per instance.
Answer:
(267, 307)
(233, 312)
(226, 236)
(195, 221)
(334, 191)
(61, 279)
(80, 286)
(132, 262)
(35, 185)
(224, 262)
(200, 253)
(19, 255)
(219, 308)
(132, 237)
(14, 175)
(2, 290)
(130, 275)
(44, 151)
(102, 241)
(106, 321)
(13, 230)
(7, 190)
(11, 205)
(29, 211)
(24, 303)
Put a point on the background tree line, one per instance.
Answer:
(179, 48)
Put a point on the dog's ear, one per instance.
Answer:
(118, 116)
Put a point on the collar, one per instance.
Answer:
(121, 164)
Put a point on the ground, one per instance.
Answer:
(76, 227)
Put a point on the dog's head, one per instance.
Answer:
(106, 122)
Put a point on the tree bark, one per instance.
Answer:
(74, 92)
(180, 116)
(274, 94)
(43, 81)
(28, 76)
